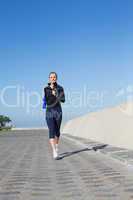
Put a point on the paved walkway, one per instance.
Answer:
(28, 171)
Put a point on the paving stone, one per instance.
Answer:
(28, 171)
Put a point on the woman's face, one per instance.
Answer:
(52, 78)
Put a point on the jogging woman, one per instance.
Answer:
(54, 95)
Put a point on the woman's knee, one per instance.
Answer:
(57, 134)
(51, 135)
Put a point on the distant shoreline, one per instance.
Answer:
(29, 128)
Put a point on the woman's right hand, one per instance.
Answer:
(53, 92)
(52, 85)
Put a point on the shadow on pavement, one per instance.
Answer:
(95, 148)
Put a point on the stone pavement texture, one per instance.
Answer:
(28, 171)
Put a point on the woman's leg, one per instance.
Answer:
(58, 120)
(56, 144)
(51, 125)
(57, 140)
(53, 147)
(52, 143)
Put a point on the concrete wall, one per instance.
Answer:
(111, 125)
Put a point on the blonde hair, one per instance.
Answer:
(53, 73)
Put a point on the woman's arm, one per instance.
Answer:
(49, 96)
(61, 94)
(55, 95)
(44, 102)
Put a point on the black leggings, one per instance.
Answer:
(53, 119)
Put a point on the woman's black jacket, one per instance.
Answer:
(54, 100)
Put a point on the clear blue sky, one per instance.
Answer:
(87, 42)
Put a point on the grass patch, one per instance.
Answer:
(5, 128)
